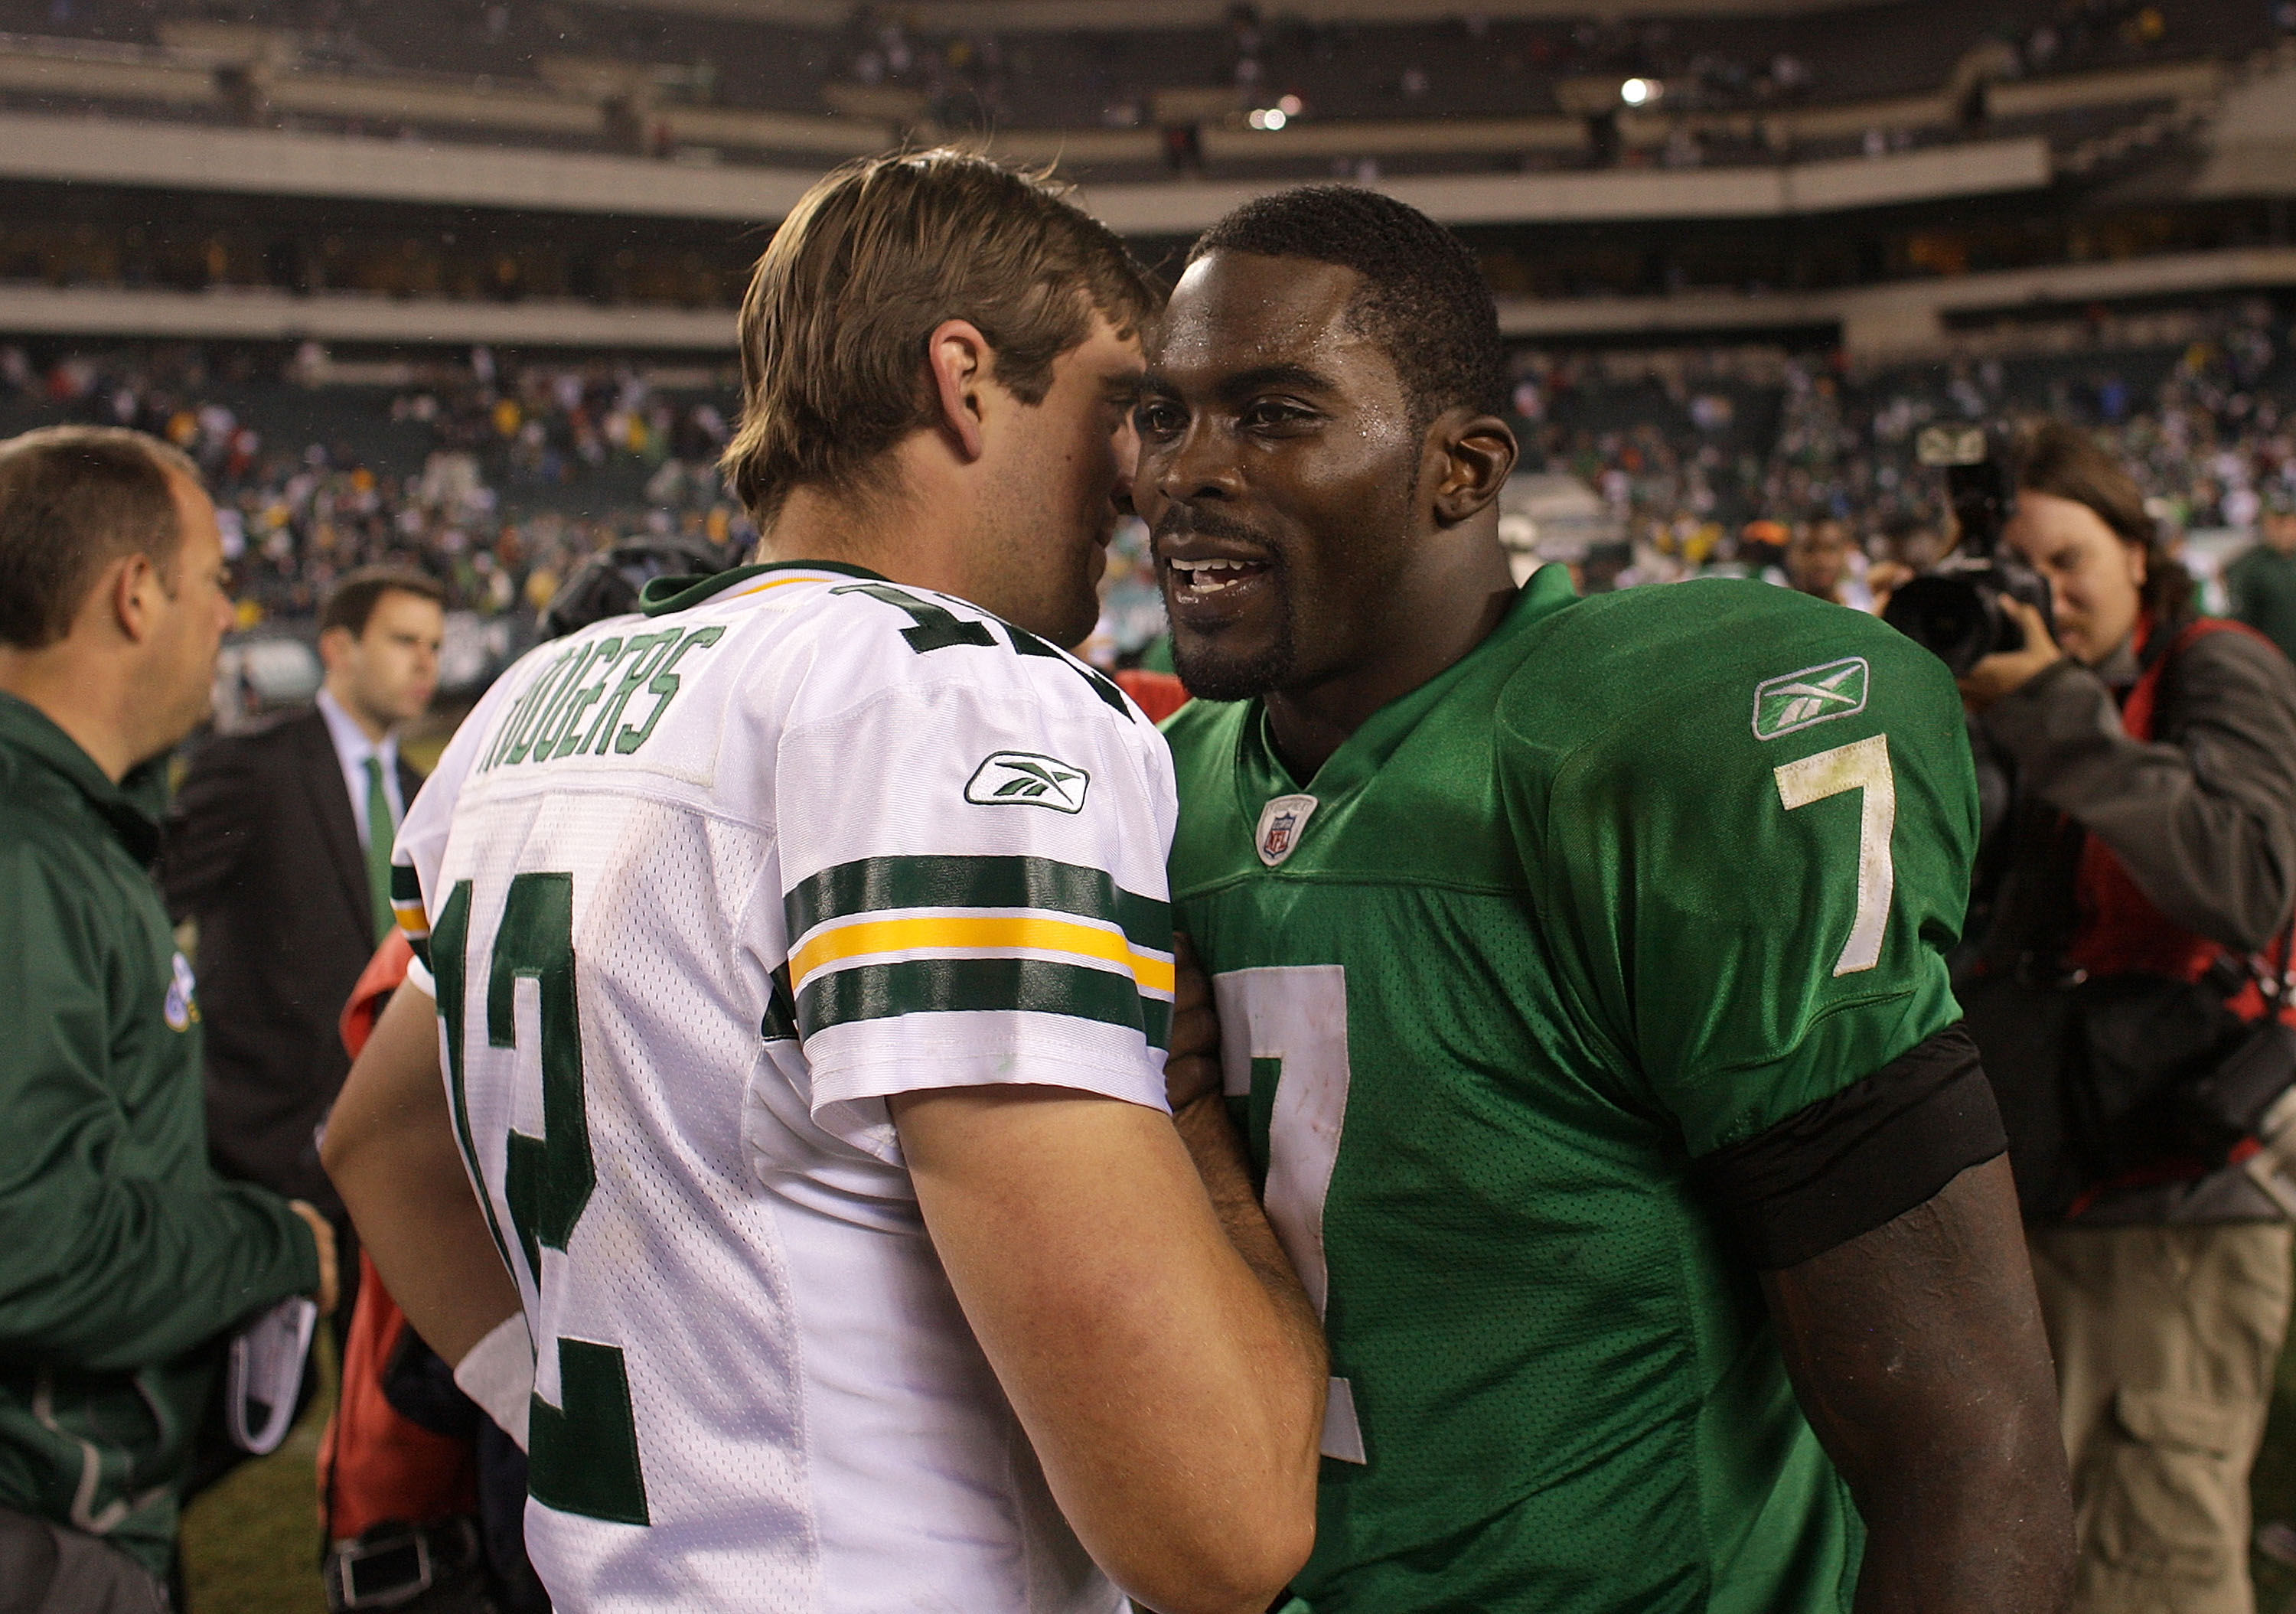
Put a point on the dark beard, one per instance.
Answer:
(1211, 676)
(1215, 678)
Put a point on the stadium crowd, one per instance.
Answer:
(497, 478)
(1710, 458)
(496, 484)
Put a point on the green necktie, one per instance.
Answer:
(379, 832)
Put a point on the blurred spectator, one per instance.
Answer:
(1904, 545)
(2261, 584)
(1820, 559)
(279, 848)
(1762, 547)
(123, 1259)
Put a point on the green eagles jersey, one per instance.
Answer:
(1640, 877)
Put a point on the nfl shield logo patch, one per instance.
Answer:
(1280, 824)
(181, 1008)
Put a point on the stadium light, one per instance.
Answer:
(1641, 92)
(1274, 117)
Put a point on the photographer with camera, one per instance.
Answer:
(2124, 980)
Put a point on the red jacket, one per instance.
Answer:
(374, 1465)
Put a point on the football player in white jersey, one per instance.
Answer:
(802, 965)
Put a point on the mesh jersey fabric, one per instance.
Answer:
(1639, 877)
(699, 889)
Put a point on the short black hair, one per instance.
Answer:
(1424, 301)
(351, 603)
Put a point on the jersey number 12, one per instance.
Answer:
(583, 1454)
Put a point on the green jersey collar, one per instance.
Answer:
(131, 807)
(663, 595)
(1261, 774)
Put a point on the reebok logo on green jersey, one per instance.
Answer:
(1028, 779)
(1795, 700)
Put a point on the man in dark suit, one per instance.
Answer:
(279, 846)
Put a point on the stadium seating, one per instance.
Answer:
(1691, 444)
(711, 87)
(498, 476)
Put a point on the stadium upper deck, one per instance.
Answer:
(575, 173)
(1234, 94)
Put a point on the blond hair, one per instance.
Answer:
(870, 261)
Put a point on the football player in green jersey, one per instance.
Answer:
(1579, 966)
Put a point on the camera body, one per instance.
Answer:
(1954, 609)
(607, 583)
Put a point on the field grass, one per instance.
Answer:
(251, 1543)
(2273, 1488)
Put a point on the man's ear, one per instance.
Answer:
(134, 590)
(960, 360)
(1473, 454)
(334, 645)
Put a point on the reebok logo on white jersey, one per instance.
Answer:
(1028, 779)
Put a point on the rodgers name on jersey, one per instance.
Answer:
(1640, 877)
(700, 889)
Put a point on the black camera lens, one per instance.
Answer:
(1958, 614)
(1958, 619)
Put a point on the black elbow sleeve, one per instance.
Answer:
(1847, 1164)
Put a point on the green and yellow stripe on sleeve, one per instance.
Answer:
(882, 937)
(406, 908)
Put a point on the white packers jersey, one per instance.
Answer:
(700, 889)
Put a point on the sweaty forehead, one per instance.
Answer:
(1238, 311)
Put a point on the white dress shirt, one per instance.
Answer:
(352, 749)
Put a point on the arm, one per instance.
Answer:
(391, 1149)
(1191, 1084)
(2203, 821)
(1169, 1370)
(1172, 1393)
(210, 827)
(1917, 1352)
(104, 1267)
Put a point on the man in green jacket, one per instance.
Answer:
(124, 1260)
(2262, 581)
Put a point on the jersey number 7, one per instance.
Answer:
(583, 1454)
(1864, 767)
(1286, 1025)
